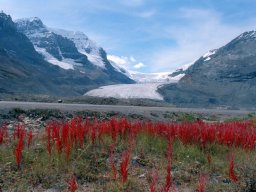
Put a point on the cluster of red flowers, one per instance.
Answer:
(69, 134)
(65, 136)
(237, 134)
(20, 134)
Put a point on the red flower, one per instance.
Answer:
(112, 163)
(18, 151)
(201, 183)
(124, 166)
(72, 184)
(67, 150)
(153, 181)
(232, 175)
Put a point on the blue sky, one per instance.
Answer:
(146, 35)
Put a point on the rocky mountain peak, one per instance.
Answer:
(247, 35)
(30, 24)
(6, 22)
(4, 16)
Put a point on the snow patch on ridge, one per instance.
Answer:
(65, 63)
(208, 54)
(83, 44)
(207, 59)
(95, 59)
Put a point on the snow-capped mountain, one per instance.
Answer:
(49, 43)
(55, 48)
(69, 50)
(76, 50)
(84, 45)
(36, 60)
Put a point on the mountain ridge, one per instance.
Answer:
(226, 76)
(70, 49)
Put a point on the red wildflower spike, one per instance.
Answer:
(72, 184)
(154, 178)
(168, 169)
(112, 163)
(93, 133)
(232, 175)
(67, 150)
(18, 151)
(167, 179)
(58, 145)
(201, 183)
(124, 166)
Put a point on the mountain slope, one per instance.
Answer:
(84, 45)
(25, 68)
(20, 63)
(71, 50)
(226, 76)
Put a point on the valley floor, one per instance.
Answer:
(141, 112)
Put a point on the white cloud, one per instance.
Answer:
(138, 66)
(128, 63)
(118, 60)
(199, 31)
(132, 59)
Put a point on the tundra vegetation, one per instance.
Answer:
(119, 154)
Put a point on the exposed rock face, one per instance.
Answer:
(226, 76)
